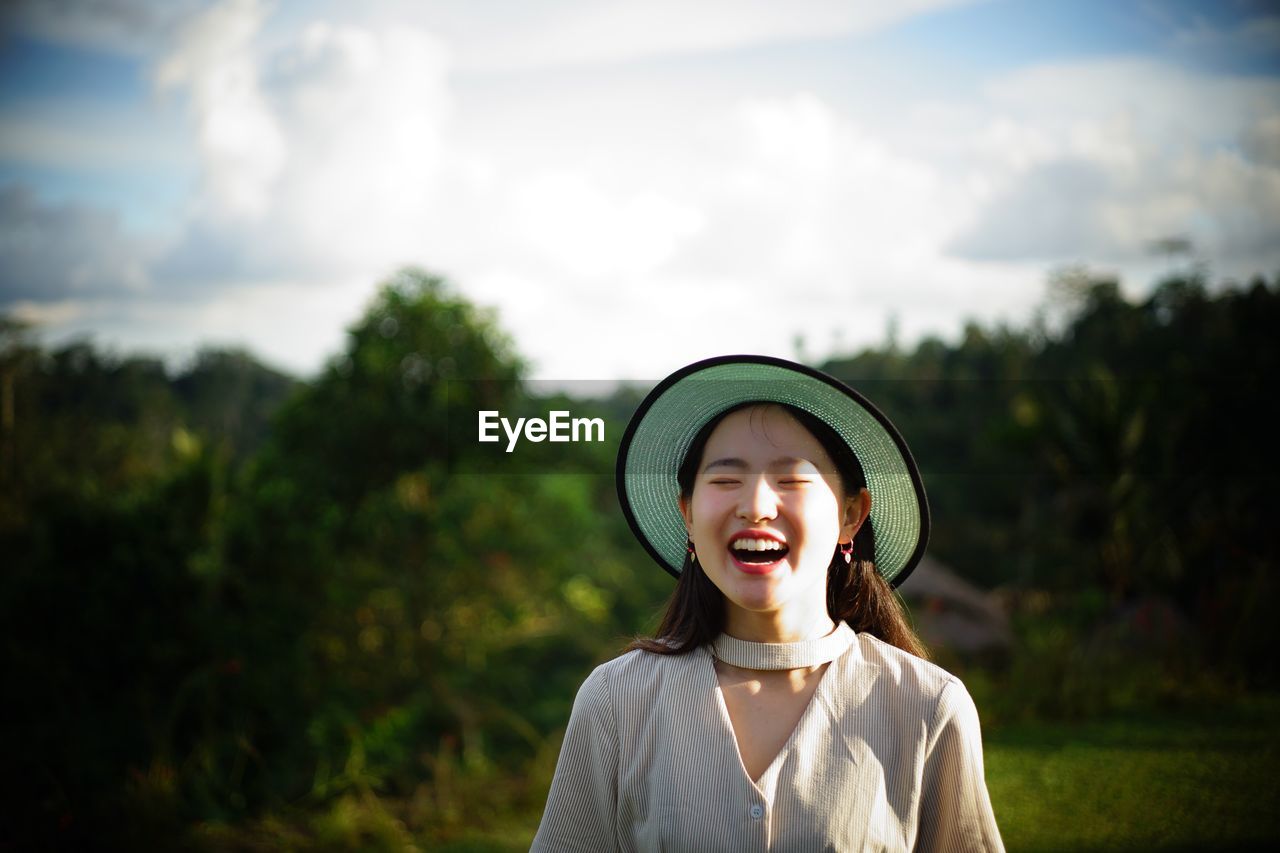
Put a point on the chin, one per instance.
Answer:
(757, 603)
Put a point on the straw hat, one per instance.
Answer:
(664, 426)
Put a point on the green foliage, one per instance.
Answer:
(420, 611)
(1128, 448)
(108, 665)
(384, 406)
(229, 397)
(1077, 658)
(252, 613)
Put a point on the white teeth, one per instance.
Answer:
(758, 545)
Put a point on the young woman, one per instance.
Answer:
(784, 704)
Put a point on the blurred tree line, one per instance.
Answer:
(1127, 449)
(233, 599)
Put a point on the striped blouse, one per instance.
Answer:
(886, 756)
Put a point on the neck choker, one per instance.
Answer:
(806, 653)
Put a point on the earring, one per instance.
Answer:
(846, 551)
(693, 555)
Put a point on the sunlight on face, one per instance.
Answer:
(765, 518)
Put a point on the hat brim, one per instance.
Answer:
(667, 420)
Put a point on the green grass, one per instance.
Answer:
(1178, 780)
(1173, 780)
(1185, 780)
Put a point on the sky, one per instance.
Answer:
(630, 186)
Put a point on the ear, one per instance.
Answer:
(686, 510)
(856, 509)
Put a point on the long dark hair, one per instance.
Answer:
(856, 593)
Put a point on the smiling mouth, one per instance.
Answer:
(758, 552)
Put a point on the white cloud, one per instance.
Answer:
(580, 229)
(493, 37)
(1105, 157)
(292, 325)
(318, 155)
(51, 252)
(820, 201)
(778, 218)
(1077, 100)
(367, 114)
(624, 218)
(240, 142)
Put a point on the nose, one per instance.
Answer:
(759, 501)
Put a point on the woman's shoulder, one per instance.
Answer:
(639, 673)
(906, 670)
(642, 663)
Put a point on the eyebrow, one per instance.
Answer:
(742, 465)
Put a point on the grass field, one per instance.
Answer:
(1173, 780)
(1207, 779)
(1189, 780)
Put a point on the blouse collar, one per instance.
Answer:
(806, 653)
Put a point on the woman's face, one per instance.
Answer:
(765, 516)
